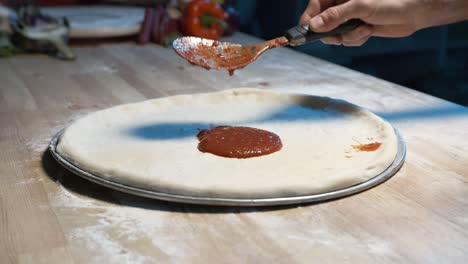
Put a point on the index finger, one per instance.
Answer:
(314, 8)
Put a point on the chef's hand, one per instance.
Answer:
(384, 18)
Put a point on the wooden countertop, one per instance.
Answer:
(48, 215)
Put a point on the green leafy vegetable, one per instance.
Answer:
(7, 49)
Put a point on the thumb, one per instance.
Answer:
(337, 15)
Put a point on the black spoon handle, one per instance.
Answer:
(301, 34)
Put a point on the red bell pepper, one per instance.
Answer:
(205, 19)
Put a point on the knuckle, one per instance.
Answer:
(331, 40)
(362, 41)
(348, 37)
(363, 4)
(339, 38)
(357, 34)
(365, 7)
(331, 14)
(351, 36)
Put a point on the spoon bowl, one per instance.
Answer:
(213, 54)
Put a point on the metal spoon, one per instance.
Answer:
(212, 54)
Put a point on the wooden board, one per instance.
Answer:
(48, 215)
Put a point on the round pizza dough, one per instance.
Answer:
(153, 145)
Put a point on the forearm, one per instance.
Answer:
(447, 11)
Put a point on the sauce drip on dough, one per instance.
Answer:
(367, 147)
(238, 142)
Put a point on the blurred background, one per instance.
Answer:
(434, 61)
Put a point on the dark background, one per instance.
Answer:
(434, 61)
